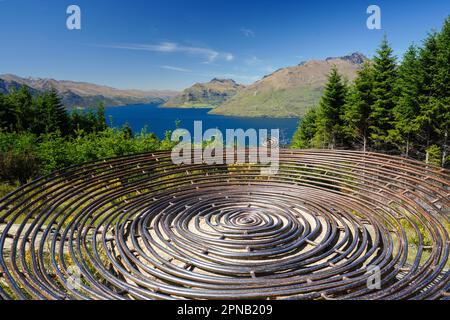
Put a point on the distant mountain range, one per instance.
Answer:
(82, 94)
(290, 91)
(201, 95)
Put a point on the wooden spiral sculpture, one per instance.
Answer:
(140, 227)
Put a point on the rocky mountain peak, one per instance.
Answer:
(224, 81)
(210, 94)
(355, 58)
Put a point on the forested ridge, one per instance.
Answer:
(396, 108)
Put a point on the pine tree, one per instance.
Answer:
(101, 119)
(331, 110)
(442, 86)
(428, 58)
(20, 104)
(40, 123)
(7, 115)
(408, 107)
(127, 131)
(429, 103)
(303, 137)
(359, 106)
(57, 113)
(51, 115)
(434, 155)
(384, 77)
(442, 79)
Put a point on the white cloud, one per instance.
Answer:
(171, 47)
(229, 57)
(248, 33)
(176, 69)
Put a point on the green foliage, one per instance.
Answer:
(331, 109)
(434, 155)
(7, 115)
(408, 106)
(323, 127)
(44, 113)
(434, 95)
(384, 93)
(19, 110)
(38, 136)
(6, 188)
(358, 108)
(306, 131)
(25, 156)
(18, 157)
(110, 143)
(127, 131)
(442, 88)
(87, 121)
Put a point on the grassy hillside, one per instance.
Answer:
(290, 102)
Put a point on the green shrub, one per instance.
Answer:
(18, 158)
(25, 156)
(434, 155)
(18, 166)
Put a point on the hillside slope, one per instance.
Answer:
(205, 95)
(289, 92)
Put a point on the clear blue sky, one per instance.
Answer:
(149, 44)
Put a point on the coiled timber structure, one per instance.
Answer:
(140, 227)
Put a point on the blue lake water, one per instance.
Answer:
(159, 120)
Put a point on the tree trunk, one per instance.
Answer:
(444, 149)
(427, 157)
(444, 157)
(407, 147)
